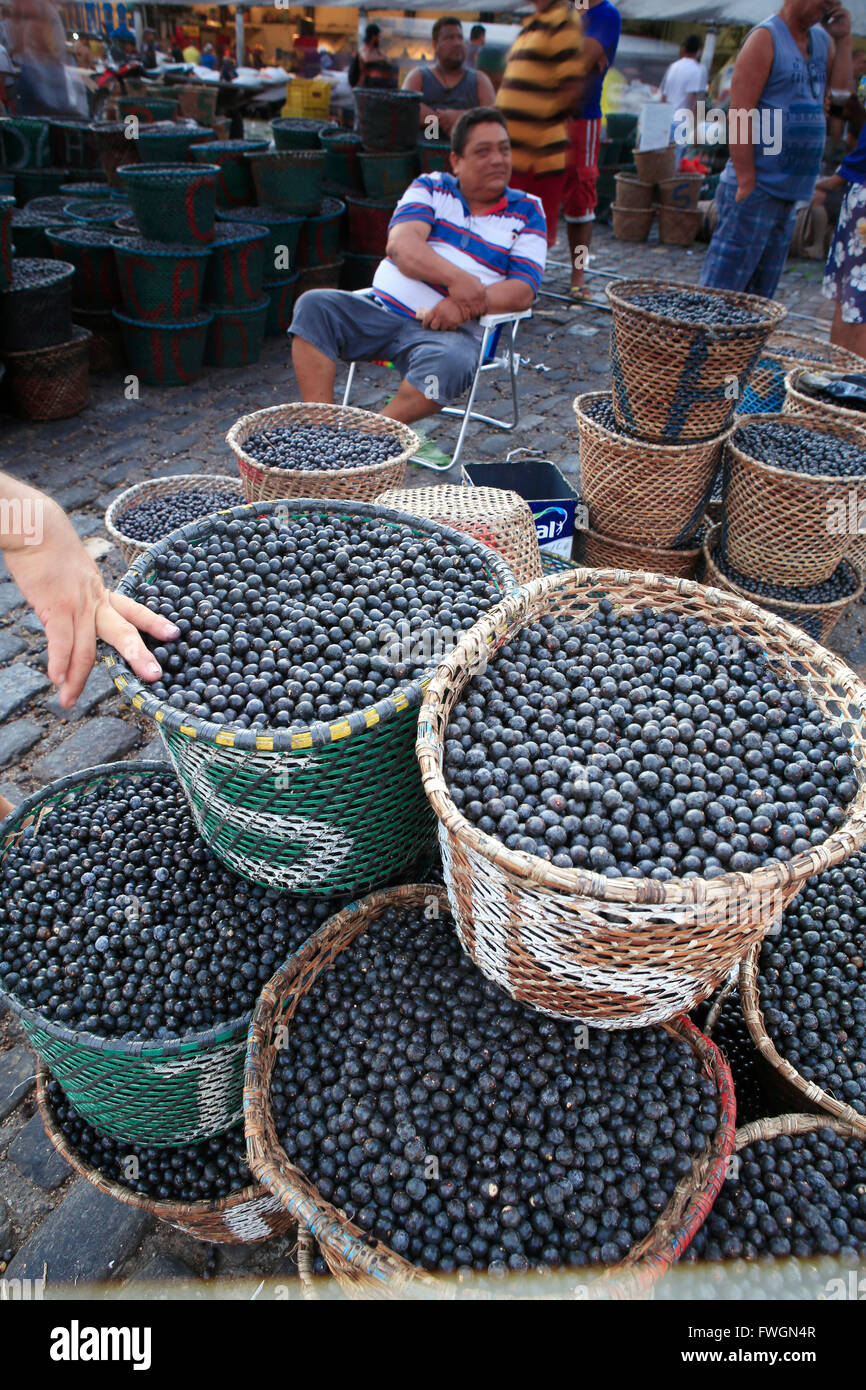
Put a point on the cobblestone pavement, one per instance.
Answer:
(48, 1216)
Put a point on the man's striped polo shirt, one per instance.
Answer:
(507, 243)
(533, 96)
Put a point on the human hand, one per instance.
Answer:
(837, 22)
(468, 292)
(819, 197)
(745, 187)
(65, 590)
(444, 316)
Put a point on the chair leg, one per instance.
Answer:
(467, 413)
(349, 380)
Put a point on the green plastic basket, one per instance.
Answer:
(91, 251)
(435, 156)
(170, 1093)
(73, 144)
(235, 177)
(173, 202)
(93, 188)
(7, 208)
(148, 109)
(291, 180)
(387, 176)
(236, 268)
(237, 333)
(388, 120)
(296, 133)
(29, 229)
(39, 183)
(284, 232)
(342, 163)
(165, 354)
(91, 212)
(333, 808)
(322, 237)
(281, 304)
(170, 144)
(160, 282)
(25, 142)
(358, 271)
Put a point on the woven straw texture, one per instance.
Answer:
(797, 402)
(390, 122)
(165, 354)
(95, 285)
(672, 381)
(321, 237)
(368, 225)
(631, 194)
(775, 522)
(816, 619)
(366, 1268)
(157, 487)
(51, 383)
(356, 484)
(650, 494)
(631, 223)
(654, 166)
(498, 519)
(332, 808)
(785, 350)
(235, 178)
(682, 192)
(619, 953)
(290, 179)
(160, 283)
(173, 202)
(115, 151)
(796, 1088)
(679, 226)
(296, 133)
(608, 552)
(237, 333)
(236, 266)
(243, 1218)
(37, 315)
(150, 1093)
(778, 1125)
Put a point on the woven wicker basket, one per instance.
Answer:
(236, 267)
(160, 282)
(787, 1080)
(631, 194)
(602, 552)
(621, 952)
(282, 295)
(632, 224)
(358, 484)
(797, 402)
(165, 1093)
(389, 121)
(91, 251)
(674, 381)
(679, 226)
(165, 354)
(639, 491)
(654, 166)
(38, 313)
(498, 519)
(816, 619)
(369, 1269)
(785, 350)
(173, 202)
(51, 383)
(235, 178)
(776, 522)
(333, 808)
(319, 277)
(245, 1217)
(157, 487)
(7, 208)
(290, 180)
(681, 192)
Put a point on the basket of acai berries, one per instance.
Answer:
(288, 706)
(320, 451)
(131, 957)
(147, 511)
(633, 776)
(421, 1123)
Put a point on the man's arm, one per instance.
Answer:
(505, 297)
(748, 81)
(486, 91)
(594, 56)
(407, 248)
(840, 72)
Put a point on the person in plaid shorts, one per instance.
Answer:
(601, 29)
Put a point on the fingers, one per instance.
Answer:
(81, 661)
(143, 618)
(60, 631)
(113, 629)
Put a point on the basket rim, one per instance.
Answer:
(753, 1013)
(681, 550)
(313, 736)
(160, 173)
(332, 214)
(201, 320)
(131, 495)
(513, 611)
(791, 388)
(266, 214)
(104, 236)
(280, 284)
(821, 426)
(758, 1131)
(229, 147)
(709, 546)
(116, 1047)
(652, 447)
(80, 336)
(647, 1264)
(176, 250)
(239, 233)
(256, 306)
(356, 417)
(65, 271)
(289, 156)
(769, 311)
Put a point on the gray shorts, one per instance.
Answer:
(349, 328)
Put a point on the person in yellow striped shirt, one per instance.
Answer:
(540, 88)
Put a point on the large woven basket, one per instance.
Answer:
(655, 166)
(499, 519)
(776, 523)
(621, 953)
(236, 266)
(91, 251)
(157, 487)
(290, 180)
(284, 230)
(296, 133)
(367, 1268)
(674, 381)
(646, 493)
(173, 202)
(245, 1217)
(167, 1093)
(816, 619)
(389, 121)
(7, 208)
(282, 295)
(160, 282)
(600, 552)
(631, 194)
(236, 334)
(632, 224)
(51, 383)
(785, 350)
(787, 1080)
(36, 313)
(333, 808)
(114, 149)
(679, 226)
(797, 402)
(368, 225)
(165, 354)
(321, 238)
(358, 484)
(235, 179)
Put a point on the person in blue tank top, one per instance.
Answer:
(601, 30)
(776, 132)
(448, 87)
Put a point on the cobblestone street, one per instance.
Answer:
(51, 1220)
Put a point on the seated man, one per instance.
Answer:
(449, 86)
(459, 246)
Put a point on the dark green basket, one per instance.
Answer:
(25, 142)
(173, 202)
(291, 180)
(322, 237)
(148, 109)
(39, 183)
(91, 251)
(7, 208)
(169, 1093)
(29, 230)
(342, 163)
(389, 121)
(91, 212)
(281, 304)
(358, 271)
(284, 232)
(170, 144)
(435, 156)
(160, 282)
(237, 334)
(73, 144)
(235, 177)
(296, 133)
(333, 808)
(95, 188)
(387, 176)
(236, 268)
(165, 354)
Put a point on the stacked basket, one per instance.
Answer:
(657, 187)
(46, 356)
(392, 153)
(290, 180)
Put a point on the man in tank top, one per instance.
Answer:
(448, 87)
(776, 131)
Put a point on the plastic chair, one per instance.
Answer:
(489, 359)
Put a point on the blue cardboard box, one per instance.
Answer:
(552, 500)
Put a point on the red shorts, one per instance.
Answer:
(547, 187)
(580, 194)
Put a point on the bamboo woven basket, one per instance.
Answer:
(165, 1093)
(157, 487)
(679, 226)
(365, 1267)
(608, 552)
(777, 1125)
(784, 351)
(632, 223)
(631, 194)
(775, 522)
(641, 492)
(797, 402)
(356, 484)
(621, 953)
(332, 808)
(654, 166)
(674, 381)
(51, 383)
(795, 1088)
(498, 519)
(816, 619)
(246, 1217)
